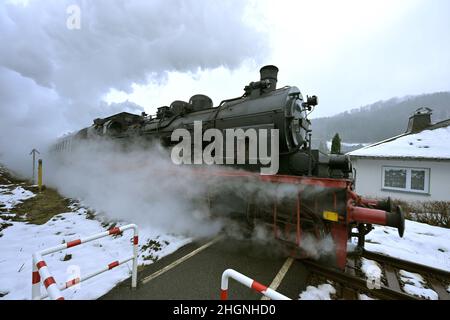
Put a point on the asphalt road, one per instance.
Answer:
(198, 277)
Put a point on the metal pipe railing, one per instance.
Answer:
(41, 271)
(249, 283)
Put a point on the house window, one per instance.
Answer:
(406, 179)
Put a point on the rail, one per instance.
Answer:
(249, 283)
(41, 271)
(437, 279)
(406, 265)
(357, 283)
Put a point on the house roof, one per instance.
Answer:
(433, 143)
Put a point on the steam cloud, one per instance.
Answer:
(142, 185)
(52, 79)
(138, 185)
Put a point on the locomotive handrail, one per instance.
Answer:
(41, 271)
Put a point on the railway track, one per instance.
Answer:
(353, 282)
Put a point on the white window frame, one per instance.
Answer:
(408, 179)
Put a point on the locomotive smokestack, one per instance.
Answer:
(270, 73)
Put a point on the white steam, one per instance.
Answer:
(139, 183)
(317, 248)
(136, 185)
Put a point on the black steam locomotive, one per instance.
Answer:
(321, 200)
(262, 106)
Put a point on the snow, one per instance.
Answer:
(421, 243)
(371, 269)
(322, 292)
(362, 296)
(426, 144)
(10, 198)
(415, 285)
(20, 240)
(346, 144)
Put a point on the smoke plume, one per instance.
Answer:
(134, 185)
(53, 79)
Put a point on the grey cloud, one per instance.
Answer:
(53, 78)
(121, 42)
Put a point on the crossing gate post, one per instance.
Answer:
(41, 271)
(35, 280)
(249, 283)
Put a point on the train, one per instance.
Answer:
(321, 201)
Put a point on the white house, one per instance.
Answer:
(414, 166)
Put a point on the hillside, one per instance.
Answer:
(380, 120)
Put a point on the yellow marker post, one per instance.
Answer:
(40, 174)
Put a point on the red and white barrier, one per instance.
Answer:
(249, 283)
(40, 269)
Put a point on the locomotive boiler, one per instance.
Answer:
(321, 201)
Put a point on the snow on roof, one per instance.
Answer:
(434, 144)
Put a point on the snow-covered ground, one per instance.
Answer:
(363, 296)
(371, 269)
(19, 240)
(321, 292)
(415, 285)
(421, 243)
(10, 197)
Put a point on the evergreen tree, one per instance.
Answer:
(336, 144)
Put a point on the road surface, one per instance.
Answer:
(194, 272)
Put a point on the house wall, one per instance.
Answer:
(369, 175)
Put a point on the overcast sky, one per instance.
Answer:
(349, 52)
(138, 55)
